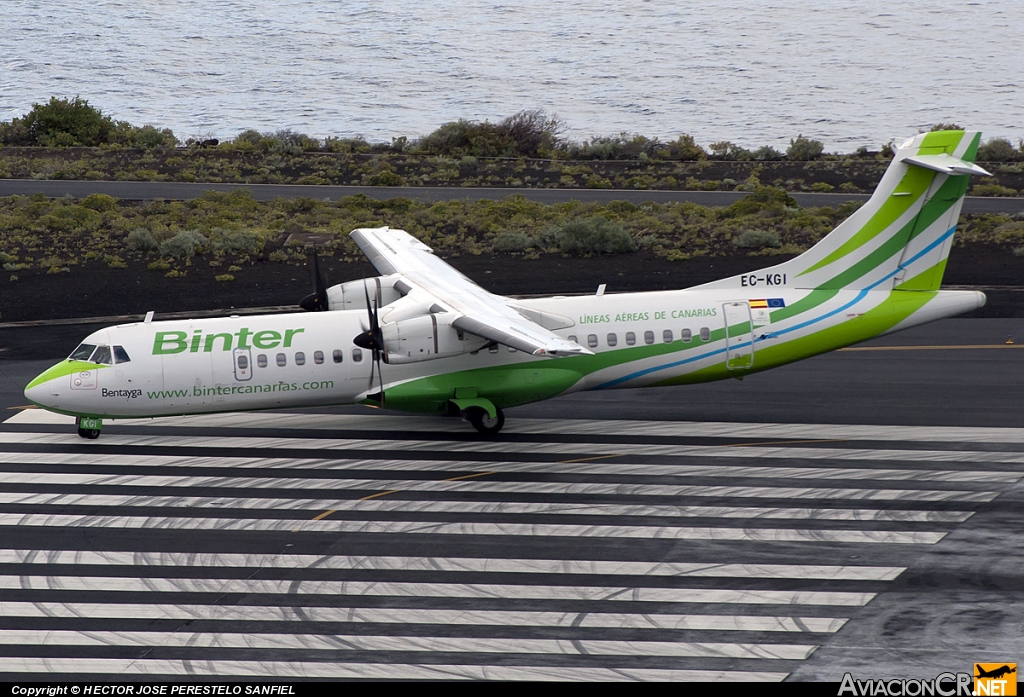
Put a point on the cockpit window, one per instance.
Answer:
(101, 355)
(120, 355)
(82, 353)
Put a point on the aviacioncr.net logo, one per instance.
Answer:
(943, 685)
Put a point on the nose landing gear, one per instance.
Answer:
(89, 427)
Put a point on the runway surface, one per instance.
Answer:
(759, 541)
(141, 191)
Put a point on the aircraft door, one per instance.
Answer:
(243, 364)
(739, 337)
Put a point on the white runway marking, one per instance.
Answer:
(449, 564)
(377, 671)
(486, 486)
(660, 470)
(360, 615)
(433, 590)
(579, 449)
(508, 529)
(485, 597)
(359, 642)
(496, 507)
(678, 429)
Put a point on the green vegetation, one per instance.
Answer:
(69, 122)
(70, 139)
(223, 234)
(801, 148)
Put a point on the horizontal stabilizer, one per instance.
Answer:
(946, 164)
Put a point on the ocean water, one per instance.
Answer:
(850, 74)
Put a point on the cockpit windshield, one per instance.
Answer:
(102, 355)
(120, 355)
(82, 353)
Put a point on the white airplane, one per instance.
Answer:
(424, 338)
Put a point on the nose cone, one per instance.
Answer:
(47, 387)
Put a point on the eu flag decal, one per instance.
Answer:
(772, 303)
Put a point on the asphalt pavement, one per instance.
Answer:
(145, 191)
(858, 511)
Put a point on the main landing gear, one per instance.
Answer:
(483, 422)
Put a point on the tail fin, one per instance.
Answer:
(902, 236)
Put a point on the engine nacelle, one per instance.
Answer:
(352, 295)
(426, 338)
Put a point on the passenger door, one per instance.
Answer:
(739, 337)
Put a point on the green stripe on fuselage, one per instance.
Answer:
(63, 368)
(894, 309)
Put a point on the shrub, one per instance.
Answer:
(150, 137)
(727, 150)
(184, 245)
(100, 203)
(766, 152)
(141, 240)
(997, 150)
(525, 134)
(222, 278)
(240, 242)
(992, 190)
(593, 236)
(458, 138)
(757, 239)
(512, 241)
(60, 122)
(801, 148)
(685, 148)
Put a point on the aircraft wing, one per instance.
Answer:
(479, 312)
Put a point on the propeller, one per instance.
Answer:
(373, 340)
(316, 301)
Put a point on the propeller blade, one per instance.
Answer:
(317, 301)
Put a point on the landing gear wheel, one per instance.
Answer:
(482, 421)
(90, 433)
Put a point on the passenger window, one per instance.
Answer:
(666, 336)
(357, 355)
(612, 339)
(705, 334)
(243, 362)
(572, 338)
(261, 360)
(318, 357)
(339, 355)
(592, 341)
(282, 360)
(648, 337)
(120, 355)
(630, 338)
(300, 358)
(686, 335)
(102, 355)
(511, 350)
(82, 353)
(493, 348)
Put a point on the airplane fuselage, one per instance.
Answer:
(309, 359)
